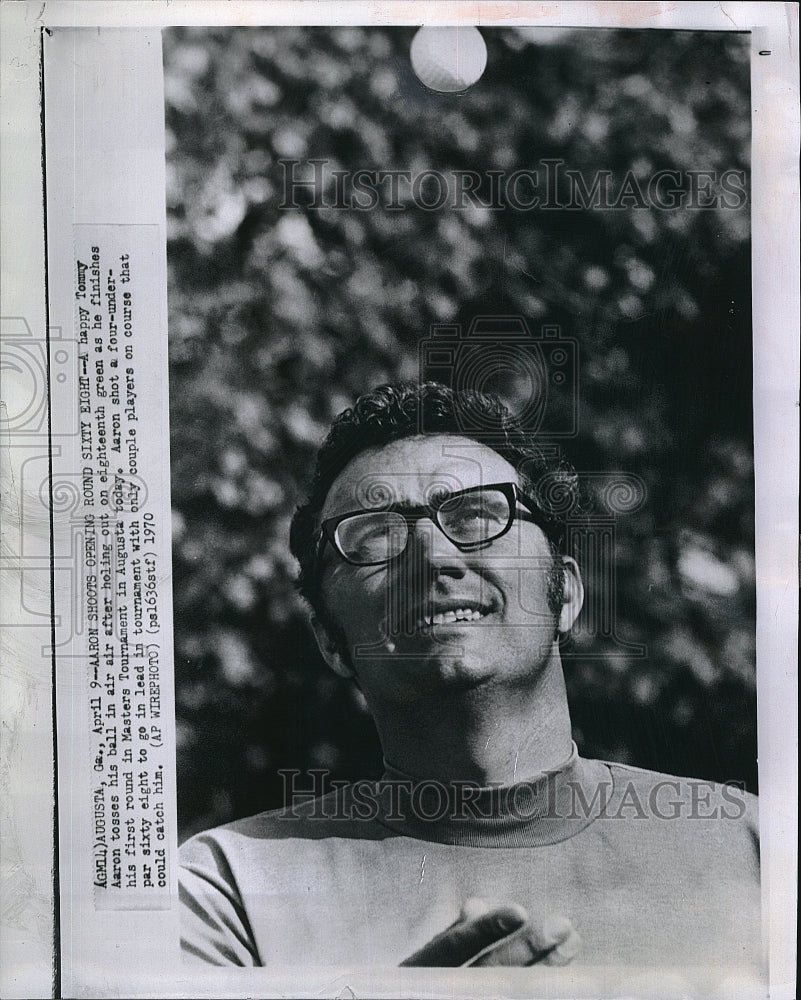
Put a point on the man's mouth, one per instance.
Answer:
(467, 614)
(450, 611)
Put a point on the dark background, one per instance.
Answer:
(280, 317)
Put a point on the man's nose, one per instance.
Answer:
(430, 549)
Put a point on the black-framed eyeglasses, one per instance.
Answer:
(470, 519)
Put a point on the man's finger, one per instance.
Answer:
(466, 938)
(565, 952)
(531, 944)
(473, 908)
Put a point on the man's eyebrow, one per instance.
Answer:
(434, 501)
(392, 505)
(438, 498)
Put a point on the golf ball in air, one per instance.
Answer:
(448, 59)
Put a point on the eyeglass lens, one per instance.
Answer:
(467, 519)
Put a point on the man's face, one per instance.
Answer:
(436, 618)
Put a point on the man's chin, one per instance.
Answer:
(442, 660)
(442, 670)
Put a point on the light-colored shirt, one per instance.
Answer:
(652, 870)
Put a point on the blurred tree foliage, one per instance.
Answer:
(279, 317)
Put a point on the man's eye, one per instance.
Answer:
(467, 516)
(370, 537)
(373, 533)
(474, 520)
(489, 513)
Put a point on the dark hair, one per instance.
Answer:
(392, 412)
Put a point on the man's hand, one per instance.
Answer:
(501, 935)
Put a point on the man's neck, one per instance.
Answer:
(488, 735)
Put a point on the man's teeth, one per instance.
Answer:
(449, 617)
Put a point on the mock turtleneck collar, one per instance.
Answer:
(546, 809)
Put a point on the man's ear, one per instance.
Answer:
(572, 594)
(330, 649)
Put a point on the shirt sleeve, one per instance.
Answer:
(214, 926)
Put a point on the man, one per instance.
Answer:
(430, 557)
